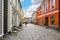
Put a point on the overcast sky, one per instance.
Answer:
(29, 6)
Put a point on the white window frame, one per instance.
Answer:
(46, 3)
(51, 5)
(42, 10)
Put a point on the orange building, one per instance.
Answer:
(49, 13)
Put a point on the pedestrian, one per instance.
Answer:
(25, 23)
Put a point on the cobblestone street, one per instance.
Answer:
(35, 32)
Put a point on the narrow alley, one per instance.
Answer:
(29, 20)
(35, 32)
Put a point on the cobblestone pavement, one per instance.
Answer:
(35, 32)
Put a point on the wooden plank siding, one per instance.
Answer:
(0, 17)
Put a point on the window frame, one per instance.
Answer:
(46, 3)
(42, 10)
(51, 5)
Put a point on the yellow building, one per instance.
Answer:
(37, 18)
(22, 16)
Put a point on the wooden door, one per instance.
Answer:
(46, 21)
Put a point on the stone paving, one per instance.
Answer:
(35, 32)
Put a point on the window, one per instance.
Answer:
(42, 8)
(52, 20)
(46, 5)
(52, 4)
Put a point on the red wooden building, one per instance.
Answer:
(49, 13)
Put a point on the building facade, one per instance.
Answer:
(9, 15)
(22, 18)
(13, 13)
(49, 13)
(34, 17)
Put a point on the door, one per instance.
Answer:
(46, 21)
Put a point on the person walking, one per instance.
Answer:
(25, 23)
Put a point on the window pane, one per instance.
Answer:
(52, 4)
(46, 5)
(43, 8)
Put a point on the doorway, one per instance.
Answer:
(46, 21)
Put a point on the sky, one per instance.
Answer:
(29, 6)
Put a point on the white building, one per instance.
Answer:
(13, 13)
(9, 15)
(34, 17)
